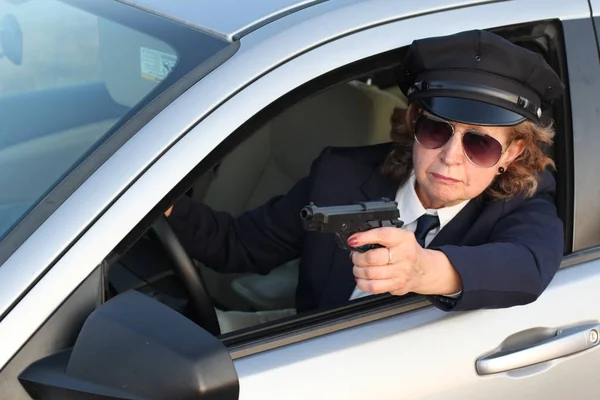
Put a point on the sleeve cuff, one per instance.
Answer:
(181, 208)
(444, 303)
(453, 295)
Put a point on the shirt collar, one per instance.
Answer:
(411, 208)
(408, 202)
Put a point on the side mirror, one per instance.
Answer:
(11, 39)
(134, 347)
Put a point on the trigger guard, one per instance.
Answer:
(342, 241)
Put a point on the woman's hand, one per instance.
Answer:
(402, 265)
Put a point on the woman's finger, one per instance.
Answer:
(387, 237)
(377, 286)
(375, 273)
(373, 257)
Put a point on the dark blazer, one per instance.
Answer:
(506, 252)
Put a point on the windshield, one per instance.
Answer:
(71, 73)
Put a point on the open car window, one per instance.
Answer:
(277, 150)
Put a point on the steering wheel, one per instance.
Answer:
(189, 275)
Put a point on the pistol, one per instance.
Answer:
(343, 221)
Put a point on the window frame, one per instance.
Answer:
(582, 87)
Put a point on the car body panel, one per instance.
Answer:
(585, 82)
(428, 354)
(595, 4)
(216, 17)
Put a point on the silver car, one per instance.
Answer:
(111, 110)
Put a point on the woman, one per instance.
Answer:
(467, 169)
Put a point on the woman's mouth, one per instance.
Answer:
(444, 178)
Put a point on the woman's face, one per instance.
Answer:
(446, 177)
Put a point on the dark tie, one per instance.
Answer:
(425, 223)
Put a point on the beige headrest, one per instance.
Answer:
(352, 114)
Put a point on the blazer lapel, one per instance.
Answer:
(341, 282)
(457, 228)
(377, 187)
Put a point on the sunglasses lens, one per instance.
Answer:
(431, 133)
(483, 150)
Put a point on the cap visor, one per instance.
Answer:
(470, 112)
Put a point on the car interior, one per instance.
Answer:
(266, 164)
(355, 112)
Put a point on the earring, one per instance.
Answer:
(501, 170)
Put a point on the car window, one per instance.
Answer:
(69, 77)
(277, 152)
(278, 155)
(267, 164)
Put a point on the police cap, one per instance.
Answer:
(479, 78)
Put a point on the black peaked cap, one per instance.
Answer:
(479, 78)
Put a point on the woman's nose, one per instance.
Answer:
(452, 152)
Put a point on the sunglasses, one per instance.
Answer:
(481, 149)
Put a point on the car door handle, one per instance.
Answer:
(564, 342)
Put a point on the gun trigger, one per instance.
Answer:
(342, 241)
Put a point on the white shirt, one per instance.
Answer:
(411, 209)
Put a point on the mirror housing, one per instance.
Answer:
(134, 347)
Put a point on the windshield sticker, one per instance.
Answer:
(155, 64)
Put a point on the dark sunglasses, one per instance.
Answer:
(481, 149)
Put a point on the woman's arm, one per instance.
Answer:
(517, 264)
(514, 267)
(257, 241)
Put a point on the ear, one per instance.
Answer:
(514, 150)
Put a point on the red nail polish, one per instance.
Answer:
(352, 241)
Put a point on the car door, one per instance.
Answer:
(521, 352)
(408, 350)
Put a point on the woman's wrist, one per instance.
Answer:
(440, 277)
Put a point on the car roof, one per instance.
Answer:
(228, 19)
(232, 19)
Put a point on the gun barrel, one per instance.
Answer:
(306, 213)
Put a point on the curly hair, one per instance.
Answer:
(520, 179)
